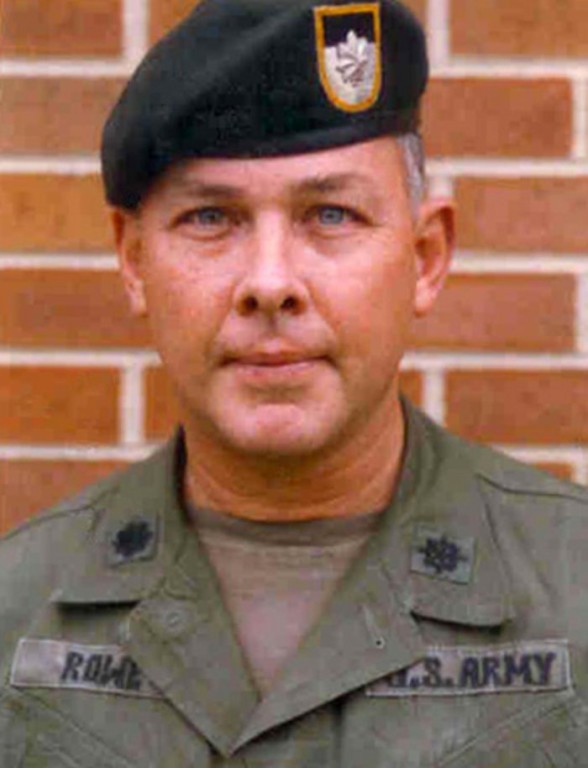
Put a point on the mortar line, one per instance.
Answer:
(438, 27)
(580, 118)
(64, 68)
(90, 453)
(471, 262)
(516, 67)
(61, 358)
(434, 395)
(493, 168)
(136, 31)
(81, 263)
(86, 165)
(582, 313)
(465, 361)
(132, 405)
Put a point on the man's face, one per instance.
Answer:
(280, 292)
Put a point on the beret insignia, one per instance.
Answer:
(348, 43)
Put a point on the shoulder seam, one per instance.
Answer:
(62, 511)
(570, 494)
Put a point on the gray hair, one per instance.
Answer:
(413, 152)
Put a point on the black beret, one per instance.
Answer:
(261, 78)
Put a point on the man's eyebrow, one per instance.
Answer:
(331, 183)
(197, 188)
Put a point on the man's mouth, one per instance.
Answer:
(275, 364)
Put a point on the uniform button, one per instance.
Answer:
(174, 621)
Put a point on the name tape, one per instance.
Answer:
(458, 670)
(99, 668)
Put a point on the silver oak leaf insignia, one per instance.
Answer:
(354, 57)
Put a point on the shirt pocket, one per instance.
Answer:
(32, 735)
(553, 735)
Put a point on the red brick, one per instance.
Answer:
(53, 213)
(58, 405)
(27, 487)
(419, 7)
(61, 27)
(560, 469)
(162, 411)
(63, 308)
(526, 313)
(522, 27)
(527, 118)
(523, 214)
(51, 115)
(411, 384)
(165, 14)
(517, 407)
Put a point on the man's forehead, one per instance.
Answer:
(354, 168)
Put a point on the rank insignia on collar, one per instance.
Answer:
(348, 42)
(442, 556)
(136, 540)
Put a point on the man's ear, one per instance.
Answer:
(129, 247)
(434, 242)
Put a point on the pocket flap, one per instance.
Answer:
(32, 735)
(553, 734)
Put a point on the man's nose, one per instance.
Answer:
(271, 282)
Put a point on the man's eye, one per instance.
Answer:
(208, 217)
(332, 215)
(209, 222)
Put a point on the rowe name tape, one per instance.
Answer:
(58, 664)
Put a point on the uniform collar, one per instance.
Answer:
(140, 530)
(440, 495)
(438, 491)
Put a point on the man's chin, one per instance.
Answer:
(277, 432)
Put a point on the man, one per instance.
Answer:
(311, 573)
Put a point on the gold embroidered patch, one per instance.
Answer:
(349, 54)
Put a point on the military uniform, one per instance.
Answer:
(458, 638)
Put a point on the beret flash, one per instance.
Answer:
(262, 78)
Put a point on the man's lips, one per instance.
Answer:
(261, 365)
(273, 361)
(273, 356)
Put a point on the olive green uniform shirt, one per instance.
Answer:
(457, 639)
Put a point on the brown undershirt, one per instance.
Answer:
(277, 577)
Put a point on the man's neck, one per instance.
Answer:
(358, 479)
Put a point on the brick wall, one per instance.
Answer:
(504, 359)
